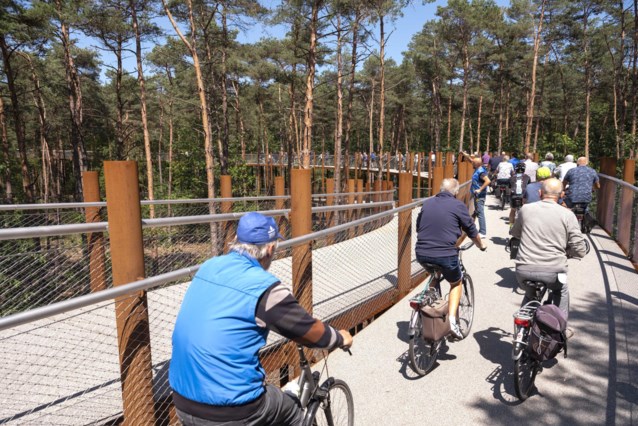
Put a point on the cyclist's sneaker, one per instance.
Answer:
(483, 236)
(455, 331)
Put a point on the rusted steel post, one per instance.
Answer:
(280, 190)
(536, 156)
(625, 214)
(226, 207)
(607, 194)
(301, 224)
(131, 312)
(437, 178)
(330, 201)
(360, 203)
(418, 174)
(97, 258)
(404, 260)
(430, 174)
(460, 170)
(439, 159)
(351, 216)
(387, 166)
(448, 170)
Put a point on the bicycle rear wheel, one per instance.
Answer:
(503, 197)
(466, 306)
(422, 352)
(337, 409)
(525, 369)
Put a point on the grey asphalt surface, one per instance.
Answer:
(472, 381)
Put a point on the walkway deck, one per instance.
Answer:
(472, 381)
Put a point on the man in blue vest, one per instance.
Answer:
(480, 182)
(227, 312)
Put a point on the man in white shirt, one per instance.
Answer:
(562, 169)
(530, 167)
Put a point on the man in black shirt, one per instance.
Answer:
(439, 226)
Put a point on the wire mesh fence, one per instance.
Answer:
(67, 369)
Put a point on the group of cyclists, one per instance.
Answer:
(233, 301)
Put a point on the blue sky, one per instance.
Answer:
(401, 31)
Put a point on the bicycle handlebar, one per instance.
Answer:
(466, 246)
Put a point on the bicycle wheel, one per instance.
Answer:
(466, 306)
(337, 409)
(525, 369)
(423, 352)
(503, 196)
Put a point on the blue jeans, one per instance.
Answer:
(479, 209)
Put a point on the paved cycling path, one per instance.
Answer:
(472, 381)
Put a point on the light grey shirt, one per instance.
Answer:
(546, 230)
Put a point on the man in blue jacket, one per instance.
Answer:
(227, 312)
(439, 228)
(480, 182)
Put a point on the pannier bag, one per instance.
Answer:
(435, 320)
(514, 244)
(547, 336)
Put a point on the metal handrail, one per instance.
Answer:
(619, 182)
(84, 228)
(52, 206)
(21, 318)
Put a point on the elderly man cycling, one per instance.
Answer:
(546, 232)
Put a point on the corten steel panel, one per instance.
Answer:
(97, 258)
(625, 213)
(301, 224)
(404, 235)
(127, 258)
(226, 207)
(437, 178)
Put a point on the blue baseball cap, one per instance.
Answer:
(255, 228)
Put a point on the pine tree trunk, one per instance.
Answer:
(142, 84)
(310, 84)
(223, 155)
(532, 97)
(339, 121)
(6, 155)
(466, 70)
(381, 88)
(17, 120)
(353, 65)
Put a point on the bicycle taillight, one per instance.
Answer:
(522, 322)
(415, 304)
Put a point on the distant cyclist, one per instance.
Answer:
(579, 182)
(533, 191)
(546, 231)
(518, 184)
(504, 172)
(561, 170)
(549, 162)
(440, 224)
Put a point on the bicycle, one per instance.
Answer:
(580, 210)
(502, 194)
(424, 352)
(328, 404)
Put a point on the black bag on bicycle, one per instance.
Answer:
(435, 320)
(514, 244)
(547, 335)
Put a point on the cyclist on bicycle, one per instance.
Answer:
(518, 184)
(547, 233)
(533, 191)
(579, 183)
(439, 226)
(504, 172)
(224, 320)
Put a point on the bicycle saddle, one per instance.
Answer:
(431, 267)
(535, 284)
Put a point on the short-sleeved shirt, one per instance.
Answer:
(478, 178)
(531, 194)
(518, 184)
(550, 165)
(494, 162)
(530, 170)
(580, 181)
(485, 158)
(505, 170)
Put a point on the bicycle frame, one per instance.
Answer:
(523, 321)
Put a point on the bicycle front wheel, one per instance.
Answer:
(525, 369)
(422, 352)
(466, 306)
(336, 409)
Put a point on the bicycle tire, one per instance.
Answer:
(525, 370)
(503, 196)
(423, 353)
(330, 411)
(465, 315)
(587, 246)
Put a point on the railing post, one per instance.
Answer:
(280, 203)
(437, 178)
(625, 213)
(605, 209)
(360, 203)
(97, 258)
(404, 260)
(330, 201)
(301, 224)
(351, 215)
(131, 312)
(226, 207)
(419, 159)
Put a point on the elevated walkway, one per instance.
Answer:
(472, 381)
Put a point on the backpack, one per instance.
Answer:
(547, 335)
(435, 320)
(519, 186)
